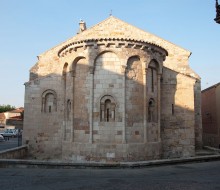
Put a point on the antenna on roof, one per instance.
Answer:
(110, 13)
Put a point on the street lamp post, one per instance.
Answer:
(217, 19)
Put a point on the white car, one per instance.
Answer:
(9, 133)
(1, 138)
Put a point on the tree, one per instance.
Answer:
(4, 108)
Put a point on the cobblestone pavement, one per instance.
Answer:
(196, 176)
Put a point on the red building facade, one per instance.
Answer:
(211, 115)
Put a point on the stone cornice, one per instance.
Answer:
(107, 42)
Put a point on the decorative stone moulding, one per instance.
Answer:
(116, 42)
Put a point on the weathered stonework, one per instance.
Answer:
(112, 93)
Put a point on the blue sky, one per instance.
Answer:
(29, 28)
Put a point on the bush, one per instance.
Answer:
(5, 108)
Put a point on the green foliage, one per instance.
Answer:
(4, 108)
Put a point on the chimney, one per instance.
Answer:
(82, 26)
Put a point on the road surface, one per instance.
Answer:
(195, 176)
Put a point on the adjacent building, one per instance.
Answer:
(113, 92)
(12, 119)
(2, 121)
(211, 116)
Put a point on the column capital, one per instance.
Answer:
(145, 71)
(147, 60)
(73, 73)
(91, 69)
(123, 68)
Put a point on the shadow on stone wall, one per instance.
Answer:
(75, 119)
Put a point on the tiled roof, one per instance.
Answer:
(213, 86)
(18, 110)
(16, 118)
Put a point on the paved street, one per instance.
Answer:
(196, 176)
(11, 143)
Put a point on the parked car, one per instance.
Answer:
(1, 138)
(9, 133)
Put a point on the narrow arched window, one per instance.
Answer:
(108, 114)
(172, 109)
(152, 75)
(107, 109)
(151, 111)
(49, 101)
(152, 79)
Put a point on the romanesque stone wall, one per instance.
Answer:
(134, 101)
(153, 101)
(109, 94)
(177, 115)
(42, 131)
(81, 102)
(107, 83)
(198, 115)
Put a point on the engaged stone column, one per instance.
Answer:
(73, 74)
(123, 70)
(64, 111)
(91, 70)
(102, 111)
(145, 103)
(158, 105)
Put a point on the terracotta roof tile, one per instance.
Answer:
(2, 116)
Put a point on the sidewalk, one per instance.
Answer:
(205, 155)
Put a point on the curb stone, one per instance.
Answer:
(16, 163)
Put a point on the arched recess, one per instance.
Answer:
(80, 96)
(134, 69)
(49, 101)
(108, 79)
(75, 62)
(99, 54)
(134, 92)
(153, 101)
(158, 59)
(152, 73)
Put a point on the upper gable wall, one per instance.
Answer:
(112, 27)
